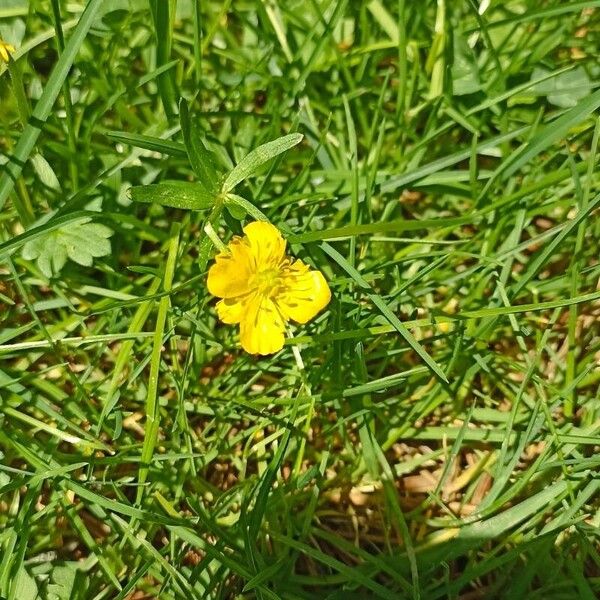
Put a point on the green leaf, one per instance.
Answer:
(236, 211)
(80, 241)
(63, 581)
(201, 159)
(148, 142)
(177, 194)
(67, 581)
(465, 73)
(45, 172)
(477, 533)
(252, 161)
(564, 90)
(25, 586)
(52, 224)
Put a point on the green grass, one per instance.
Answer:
(433, 433)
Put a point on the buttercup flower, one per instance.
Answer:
(262, 289)
(5, 50)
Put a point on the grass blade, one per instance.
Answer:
(42, 109)
(386, 311)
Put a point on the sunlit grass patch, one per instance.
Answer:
(396, 202)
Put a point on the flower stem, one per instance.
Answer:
(214, 237)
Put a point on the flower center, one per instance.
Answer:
(266, 281)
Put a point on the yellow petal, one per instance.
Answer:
(3, 52)
(262, 327)
(266, 242)
(231, 310)
(305, 293)
(229, 276)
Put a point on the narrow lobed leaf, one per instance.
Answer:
(252, 161)
(177, 194)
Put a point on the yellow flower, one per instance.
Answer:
(262, 289)
(5, 49)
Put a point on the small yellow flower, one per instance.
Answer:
(262, 289)
(5, 50)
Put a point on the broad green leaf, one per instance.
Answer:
(177, 194)
(51, 224)
(80, 241)
(201, 159)
(252, 161)
(564, 90)
(65, 583)
(26, 588)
